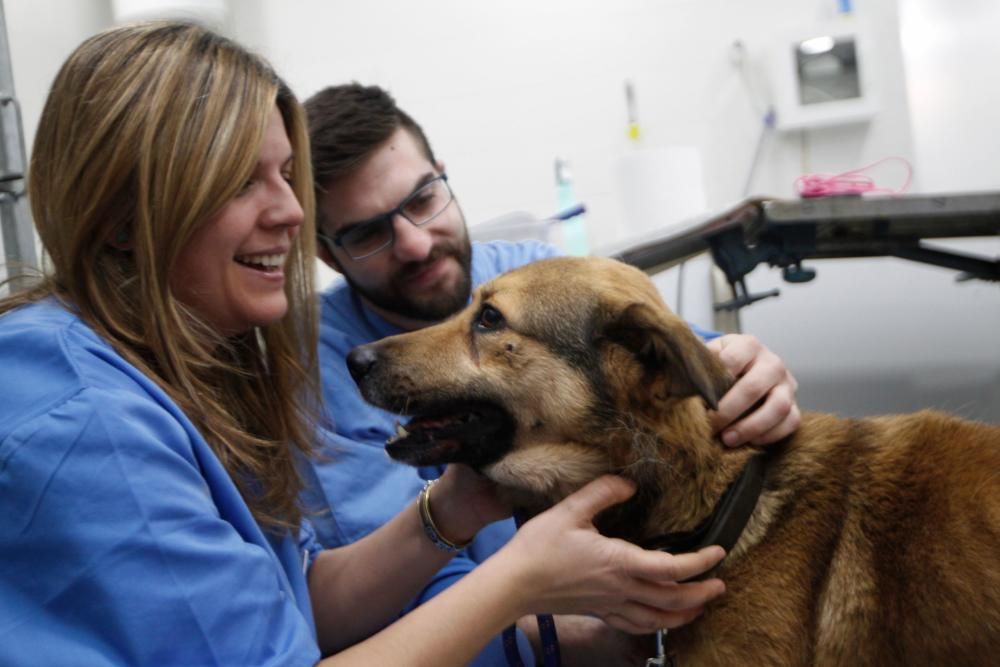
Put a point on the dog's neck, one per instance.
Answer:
(681, 471)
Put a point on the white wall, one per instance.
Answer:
(42, 34)
(888, 335)
(503, 88)
(38, 44)
(952, 53)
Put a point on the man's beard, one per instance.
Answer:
(436, 304)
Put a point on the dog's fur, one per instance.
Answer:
(874, 542)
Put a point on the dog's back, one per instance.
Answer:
(875, 542)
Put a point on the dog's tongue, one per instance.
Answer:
(468, 434)
(430, 422)
(421, 446)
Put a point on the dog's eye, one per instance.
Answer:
(489, 319)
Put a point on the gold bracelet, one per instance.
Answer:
(424, 508)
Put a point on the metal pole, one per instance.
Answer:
(18, 231)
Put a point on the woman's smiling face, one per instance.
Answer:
(231, 271)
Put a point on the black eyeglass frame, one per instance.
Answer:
(385, 220)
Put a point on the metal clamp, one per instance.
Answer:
(661, 659)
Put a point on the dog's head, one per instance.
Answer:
(546, 379)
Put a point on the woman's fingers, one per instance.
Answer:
(573, 569)
(658, 566)
(652, 596)
(647, 607)
(638, 620)
(673, 596)
(596, 496)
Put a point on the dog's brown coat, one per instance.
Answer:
(875, 541)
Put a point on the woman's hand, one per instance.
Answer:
(463, 501)
(760, 408)
(565, 566)
(557, 563)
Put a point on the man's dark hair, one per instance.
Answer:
(348, 123)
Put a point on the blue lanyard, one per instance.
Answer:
(546, 631)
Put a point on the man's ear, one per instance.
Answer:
(664, 344)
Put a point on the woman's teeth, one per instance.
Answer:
(265, 262)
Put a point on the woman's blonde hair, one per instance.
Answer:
(148, 131)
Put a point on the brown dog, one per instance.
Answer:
(872, 541)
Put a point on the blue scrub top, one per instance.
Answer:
(123, 540)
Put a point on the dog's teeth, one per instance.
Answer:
(400, 434)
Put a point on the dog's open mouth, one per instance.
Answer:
(473, 433)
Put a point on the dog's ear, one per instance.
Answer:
(665, 344)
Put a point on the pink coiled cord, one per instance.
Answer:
(853, 182)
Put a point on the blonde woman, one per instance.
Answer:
(159, 384)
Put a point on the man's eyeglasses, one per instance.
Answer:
(364, 239)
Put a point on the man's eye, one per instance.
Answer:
(420, 203)
(364, 233)
(489, 319)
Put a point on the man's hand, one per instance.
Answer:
(763, 385)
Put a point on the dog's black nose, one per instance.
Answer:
(360, 361)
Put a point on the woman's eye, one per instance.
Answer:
(490, 319)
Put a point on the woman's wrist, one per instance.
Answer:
(456, 504)
(439, 538)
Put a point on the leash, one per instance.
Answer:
(546, 631)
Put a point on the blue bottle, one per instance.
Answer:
(574, 226)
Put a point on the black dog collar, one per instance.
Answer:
(726, 522)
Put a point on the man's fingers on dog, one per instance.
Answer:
(598, 495)
(755, 380)
(737, 351)
(759, 401)
(782, 430)
(664, 567)
(776, 417)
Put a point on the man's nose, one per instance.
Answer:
(412, 244)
